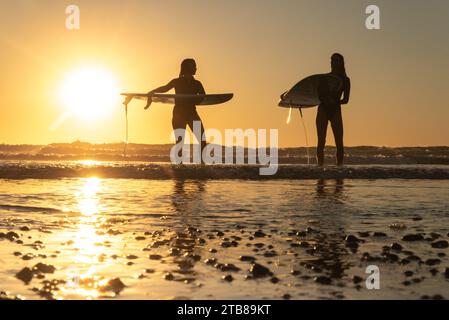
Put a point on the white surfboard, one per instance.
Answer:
(197, 99)
(305, 93)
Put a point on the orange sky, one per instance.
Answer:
(256, 49)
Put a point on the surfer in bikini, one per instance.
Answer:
(184, 112)
(330, 110)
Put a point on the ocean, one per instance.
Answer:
(110, 229)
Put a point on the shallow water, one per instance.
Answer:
(94, 230)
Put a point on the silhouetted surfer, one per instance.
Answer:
(184, 112)
(330, 110)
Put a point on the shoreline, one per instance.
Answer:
(166, 171)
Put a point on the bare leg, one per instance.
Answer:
(337, 128)
(321, 127)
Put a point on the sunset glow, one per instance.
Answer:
(89, 93)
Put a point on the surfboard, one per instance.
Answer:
(305, 93)
(197, 99)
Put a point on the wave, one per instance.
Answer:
(124, 170)
(160, 153)
(19, 208)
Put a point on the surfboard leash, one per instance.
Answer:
(305, 135)
(126, 129)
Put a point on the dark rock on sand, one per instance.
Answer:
(155, 257)
(25, 228)
(228, 278)
(442, 244)
(210, 261)
(227, 267)
(323, 280)
(413, 237)
(446, 273)
(259, 234)
(247, 258)
(433, 271)
(274, 280)
(44, 268)
(11, 236)
(168, 276)
(28, 256)
(408, 273)
(301, 234)
(357, 279)
(259, 271)
(286, 296)
(26, 275)
(432, 262)
(396, 247)
(115, 285)
(140, 238)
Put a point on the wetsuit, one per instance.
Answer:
(184, 113)
(330, 111)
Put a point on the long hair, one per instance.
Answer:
(186, 65)
(338, 68)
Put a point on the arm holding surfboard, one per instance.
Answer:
(161, 89)
(346, 91)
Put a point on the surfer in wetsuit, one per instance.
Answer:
(184, 112)
(330, 110)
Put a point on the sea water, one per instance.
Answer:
(177, 238)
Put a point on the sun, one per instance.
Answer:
(89, 93)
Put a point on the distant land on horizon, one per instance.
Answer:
(79, 150)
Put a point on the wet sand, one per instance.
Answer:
(146, 239)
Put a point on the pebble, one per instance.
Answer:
(274, 280)
(413, 237)
(323, 280)
(26, 275)
(25, 228)
(442, 244)
(228, 278)
(155, 257)
(259, 234)
(131, 257)
(140, 238)
(396, 246)
(408, 273)
(446, 273)
(227, 267)
(286, 296)
(247, 258)
(28, 256)
(259, 271)
(115, 285)
(168, 276)
(357, 279)
(432, 262)
(44, 268)
(295, 272)
(213, 250)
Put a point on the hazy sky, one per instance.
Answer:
(254, 48)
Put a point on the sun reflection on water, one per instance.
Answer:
(91, 246)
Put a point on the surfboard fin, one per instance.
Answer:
(127, 100)
(149, 101)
